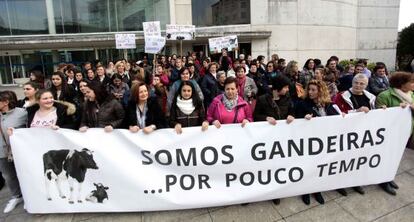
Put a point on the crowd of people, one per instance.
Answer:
(187, 91)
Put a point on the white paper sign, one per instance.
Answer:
(125, 41)
(151, 29)
(123, 171)
(180, 32)
(154, 44)
(217, 44)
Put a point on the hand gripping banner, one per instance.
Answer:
(68, 171)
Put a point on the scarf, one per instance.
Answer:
(406, 97)
(185, 105)
(240, 84)
(229, 104)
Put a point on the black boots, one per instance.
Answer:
(359, 190)
(276, 201)
(388, 188)
(306, 199)
(342, 191)
(318, 196)
(2, 181)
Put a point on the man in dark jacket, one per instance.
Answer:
(175, 72)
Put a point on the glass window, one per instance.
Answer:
(217, 12)
(23, 17)
(83, 16)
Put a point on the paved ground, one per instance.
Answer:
(375, 205)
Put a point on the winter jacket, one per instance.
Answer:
(209, 88)
(154, 115)
(390, 98)
(378, 84)
(196, 118)
(266, 107)
(15, 118)
(307, 106)
(217, 107)
(249, 88)
(344, 102)
(65, 114)
(109, 113)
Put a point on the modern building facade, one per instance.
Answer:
(44, 33)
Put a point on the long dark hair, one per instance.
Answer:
(197, 102)
(65, 88)
(39, 78)
(101, 95)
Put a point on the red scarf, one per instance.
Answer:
(240, 84)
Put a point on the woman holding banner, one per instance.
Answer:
(229, 107)
(48, 113)
(275, 106)
(144, 113)
(401, 94)
(11, 117)
(187, 109)
(317, 103)
(100, 110)
(356, 99)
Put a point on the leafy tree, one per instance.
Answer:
(405, 46)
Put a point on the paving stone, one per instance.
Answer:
(175, 215)
(40, 218)
(293, 205)
(260, 211)
(376, 202)
(86, 216)
(405, 214)
(201, 218)
(329, 211)
(124, 217)
(407, 161)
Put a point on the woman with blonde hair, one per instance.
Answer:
(317, 103)
(121, 70)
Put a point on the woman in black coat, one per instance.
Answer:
(144, 112)
(275, 106)
(187, 108)
(100, 109)
(317, 103)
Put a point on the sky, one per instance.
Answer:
(406, 14)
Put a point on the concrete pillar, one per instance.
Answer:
(55, 58)
(50, 17)
(96, 54)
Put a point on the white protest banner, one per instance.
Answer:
(217, 44)
(151, 29)
(123, 171)
(125, 41)
(154, 44)
(180, 32)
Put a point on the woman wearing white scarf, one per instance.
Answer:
(187, 108)
(400, 93)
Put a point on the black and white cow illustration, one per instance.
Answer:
(70, 165)
(98, 195)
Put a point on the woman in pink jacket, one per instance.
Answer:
(229, 107)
